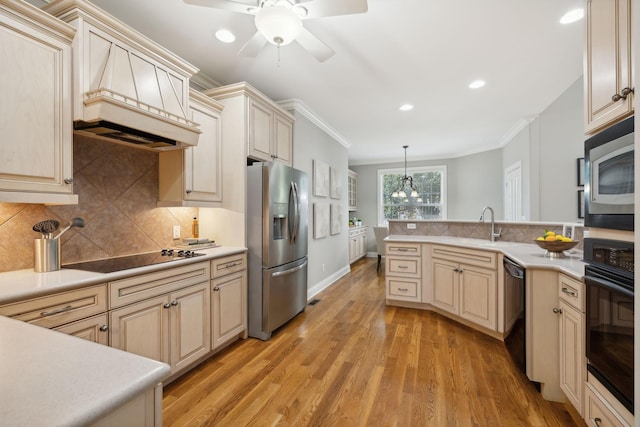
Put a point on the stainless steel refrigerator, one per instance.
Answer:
(277, 212)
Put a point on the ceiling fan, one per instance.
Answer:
(279, 22)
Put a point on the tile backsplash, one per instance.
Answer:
(117, 188)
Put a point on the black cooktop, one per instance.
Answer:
(109, 265)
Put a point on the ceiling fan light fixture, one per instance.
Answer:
(279, 24)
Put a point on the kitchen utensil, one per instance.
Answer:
(46, 227)
(46, 255)
(75, 222)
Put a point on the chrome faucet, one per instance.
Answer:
(494, 236)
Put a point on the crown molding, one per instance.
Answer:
(300, 107)
(515, 130)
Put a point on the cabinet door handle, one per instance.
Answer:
(58, 311)
(104, 328)
(623, 94)
(166, 305)
(188, 191)
(217, 288)
(570, 292)
(597, 421)
(557, 310)
(174, 303)
(68, 180)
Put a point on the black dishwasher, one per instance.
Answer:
(514, 295)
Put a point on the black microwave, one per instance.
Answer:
(609, 179)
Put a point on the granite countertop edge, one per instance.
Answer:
(528, 255)
(25, 284)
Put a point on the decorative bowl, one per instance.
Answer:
(556, 246)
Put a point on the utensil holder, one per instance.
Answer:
(46, 255)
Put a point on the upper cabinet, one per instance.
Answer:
(36, 110)
(193, 177)
(268, 129)
(608, 63)
(352, 185)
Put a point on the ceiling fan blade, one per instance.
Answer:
(225, 5)
(320, 8)
(314, 45)
(253, 46)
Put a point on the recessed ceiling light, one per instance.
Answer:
(225, 36)
(406, 107)
(572, 16)
(477, 84)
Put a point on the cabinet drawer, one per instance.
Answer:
(404, 249)
(227, 265)
(480, 258)
(403, 266)
(55, 310)
(137, 288)
(600, 413)
(572, 292)
(357, 232)
(403, 289)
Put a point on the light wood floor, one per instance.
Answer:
(351, 361)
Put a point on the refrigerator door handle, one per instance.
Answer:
(296, 212)
(289, 271)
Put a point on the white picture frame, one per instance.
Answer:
(568, 231)
(321, 214)
(336, 219)
(320, 178)
(335, 183)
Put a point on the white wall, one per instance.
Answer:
(328, 256)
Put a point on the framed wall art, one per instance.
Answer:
(320, 220)
(335, 183)
(320, 178)
(336, 219)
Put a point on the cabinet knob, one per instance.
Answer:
(557, 310)
(216, 288)
(623, 94)
(104, 328)
(188, 191)
(166, 305)
(68, 180)
(174, 303)
(597, 421)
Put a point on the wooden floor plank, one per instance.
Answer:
(350, 360)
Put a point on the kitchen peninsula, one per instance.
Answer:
(463, 278)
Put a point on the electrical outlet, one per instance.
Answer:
(411, 226)
(176, 231)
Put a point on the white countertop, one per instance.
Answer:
(528, 255)
(25, 284)
(53, 379)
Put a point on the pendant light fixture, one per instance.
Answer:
(406, 181)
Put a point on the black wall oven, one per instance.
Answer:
(609, 180)
(610, 313)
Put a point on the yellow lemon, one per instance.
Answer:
(540, 238)
(551, 238)
(549, 233)
(566, 239)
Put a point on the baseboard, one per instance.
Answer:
(321, 286)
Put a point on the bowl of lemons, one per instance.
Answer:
(555, 243)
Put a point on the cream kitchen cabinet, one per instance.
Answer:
(81, 312)
(608, 63)
(165, 316)
(602, 409)
(36, 112)
(352, 190)
(572, 340)
(357, 243)
(266, 129)
(228, 299)
(464, 283)
(193, 177)
(403, 269)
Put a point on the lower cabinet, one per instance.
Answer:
(464, 289)
(403, 272)
(228, 299)
(602, 409)
(357, 243)
(93, 328)
(173, 328)
(572, 340)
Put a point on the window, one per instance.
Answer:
(430, 183)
